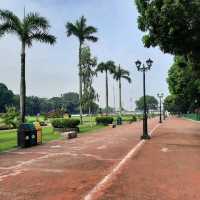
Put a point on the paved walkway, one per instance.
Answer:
(67, 169)
(166, 168)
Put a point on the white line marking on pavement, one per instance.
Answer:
(102, 184)
(18, 169)
(102, 147)
(165, 150)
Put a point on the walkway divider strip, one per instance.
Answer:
(108, 178)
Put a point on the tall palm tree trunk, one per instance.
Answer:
(120, 96)
(106, 92)
(23, 86)
(80, 84)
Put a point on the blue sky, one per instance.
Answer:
(52, 71)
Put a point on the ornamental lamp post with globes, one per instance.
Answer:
(143, 68)
(160, 96)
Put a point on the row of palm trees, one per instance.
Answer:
(34, 27)
(84, 33)
(118, 74)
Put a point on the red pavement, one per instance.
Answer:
(166, 168)
(67, 169)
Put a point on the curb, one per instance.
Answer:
(195, 121)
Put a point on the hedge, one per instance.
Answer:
(104, 120)
(65, 123)
(133, 119)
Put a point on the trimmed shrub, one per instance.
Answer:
(65, 123)
(133, 119)
(104, 120)
(55, 113)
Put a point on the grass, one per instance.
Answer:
(87, 128)
(192, 116)
(8, 138)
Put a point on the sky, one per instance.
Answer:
(52, 70)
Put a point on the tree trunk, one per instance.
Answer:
(106, 92)
(23, 86)
(80, 84)
(90, 115)
(120, 96)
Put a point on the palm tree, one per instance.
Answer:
(83, 33)
(31, 28)
(109, 66)
(118, 75)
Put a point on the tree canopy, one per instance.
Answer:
(67, 102)
(172, 25)
(88, 64)
(184, 87)
(151, 101)
(6, 97)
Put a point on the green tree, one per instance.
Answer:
(106, 67)
(88, 64)
(170, 104)
(173, 25)
(33, 105)
(184, 86)
(11, 117)
(31, 28)
(6, 97)
(83, 32)
(151, 101)
(71, 102)
(118, 76)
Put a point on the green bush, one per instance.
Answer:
(55, 113)
(65, 123)
(104, 120)
(133, 119)
(11, 117)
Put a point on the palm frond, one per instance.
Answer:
(42, 37)
(11, 23)
(81, 30)
(91, 38)
(9, 16)
(35, 22)
(71, 29)
(126, 78)
(101, 67)
(82, 22)
(90, 30)
(124, 72)
(6, 28)
(111, 66)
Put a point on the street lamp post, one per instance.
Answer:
(143, 68)
(160, 96)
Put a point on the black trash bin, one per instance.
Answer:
(119, 121)
(27, 135)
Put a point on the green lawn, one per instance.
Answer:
(8, 138)
(192, 116)
(87, 128)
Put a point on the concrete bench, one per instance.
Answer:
(70, 134)
(112, 125)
